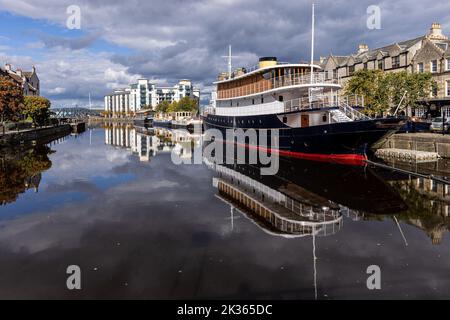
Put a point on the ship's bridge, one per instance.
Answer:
(272, 76)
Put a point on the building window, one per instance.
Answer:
(447, 64)
(280, 98)
(434, 67)
(447, 88)
(365, 65)
(434, 186)
(351, 70)
(381, 64)
(420, 68)
(396, 62)
(434, 92)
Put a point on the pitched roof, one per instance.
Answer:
(384, 51)
(340, 59)
(16, 77)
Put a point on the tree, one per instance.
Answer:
(188, 104)
(370, 84)
(383, 91)
(37, 108)
(163, 107)
(185, 104)
(417, 86)
(173, 107)
(11, 99)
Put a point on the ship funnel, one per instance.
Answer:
(267, 62)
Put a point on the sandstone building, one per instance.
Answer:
(428, 53)
(27, 80)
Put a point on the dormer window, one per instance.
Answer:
(381, 64)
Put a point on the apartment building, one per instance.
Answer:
(428, 53)
(146, 95)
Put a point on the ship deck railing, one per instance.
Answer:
(346, 104)
(257, 66)
(319, 79)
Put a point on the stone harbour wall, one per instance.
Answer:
(33, 135)
(429, 142)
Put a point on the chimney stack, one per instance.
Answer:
(363, 48)
(436, 32)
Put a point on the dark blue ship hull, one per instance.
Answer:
(345, 142)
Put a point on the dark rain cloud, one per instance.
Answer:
(170, 40)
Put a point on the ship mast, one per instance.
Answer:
(312, 43)
(312, 53)
(229, 57)
(230, 68)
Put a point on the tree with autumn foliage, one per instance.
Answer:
(37, 108)
(11, 100)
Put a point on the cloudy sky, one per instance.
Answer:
(165, 40)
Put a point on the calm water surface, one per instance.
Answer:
(139, 226)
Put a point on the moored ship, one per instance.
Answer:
(314, 120)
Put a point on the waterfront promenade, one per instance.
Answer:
(12, 138)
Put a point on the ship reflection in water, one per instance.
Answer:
(279, 209)
(140, 226)
(304, 197)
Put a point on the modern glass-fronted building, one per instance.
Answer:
(146, 95)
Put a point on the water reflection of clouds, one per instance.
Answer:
(73, 163)
(163, 232)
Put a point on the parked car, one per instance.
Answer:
(439, 124)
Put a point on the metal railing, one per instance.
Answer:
(317, 78)
(305, 79)
(345, 104)
(328, 101)
(353, 113)
(257, 67)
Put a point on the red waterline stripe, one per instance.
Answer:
(347, 159)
